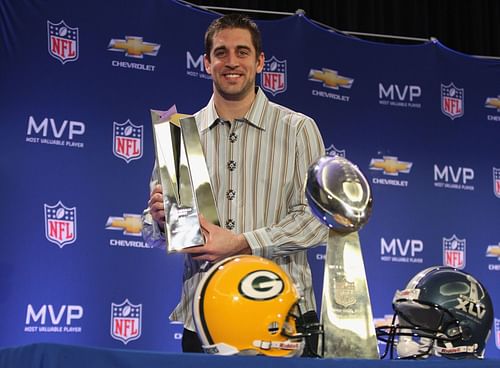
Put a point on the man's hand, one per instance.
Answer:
(219, 243)
(156, 206)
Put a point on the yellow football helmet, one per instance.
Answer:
(248, 305)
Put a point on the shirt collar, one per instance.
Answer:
(253, 116)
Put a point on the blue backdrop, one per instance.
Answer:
(77, 82)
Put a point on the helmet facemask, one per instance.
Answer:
(418, 330)
(296, 327)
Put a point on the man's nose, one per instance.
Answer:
(232, 59)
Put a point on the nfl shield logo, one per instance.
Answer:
(126, 321)
(63, 41)
(127, 141)
(452, 101)
(496, 181)
(60, 224)
(332, 151)
(454, 252)
(345, 293)
(273, 77)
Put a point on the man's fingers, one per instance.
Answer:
(156, 206)
(205, 224)
(157, 189)
(195, 251)
(157, 197)
(204, 227)
(156, 194)
(160, 214)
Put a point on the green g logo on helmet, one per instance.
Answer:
(261, 285)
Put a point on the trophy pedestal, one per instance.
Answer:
(346, 313)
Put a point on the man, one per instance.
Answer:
(257, 154)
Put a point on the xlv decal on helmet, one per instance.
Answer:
(248, 305)
(442, 312)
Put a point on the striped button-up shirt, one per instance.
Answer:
(257, 167)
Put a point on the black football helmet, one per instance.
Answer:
(442, 312)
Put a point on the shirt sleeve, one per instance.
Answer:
(151, 232)
(299, 229)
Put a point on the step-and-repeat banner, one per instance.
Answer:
(77, 80)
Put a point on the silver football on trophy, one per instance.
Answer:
(338, 194)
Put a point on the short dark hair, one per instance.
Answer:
(233, 21)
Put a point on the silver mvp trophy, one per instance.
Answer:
(340, 197)
(184, 177)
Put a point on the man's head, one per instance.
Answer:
(233, 57)
(233, 21)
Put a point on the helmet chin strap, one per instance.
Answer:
(449, 349)
(283, 345)
(294, 347)
(407, 347)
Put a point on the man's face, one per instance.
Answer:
(233, 63)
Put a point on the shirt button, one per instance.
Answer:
(233, 137)
(230, 194)
(231, 165)
(230, 224)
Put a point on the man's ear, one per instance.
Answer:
(208, 65)
(260, 62)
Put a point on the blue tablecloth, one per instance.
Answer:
(58, 356)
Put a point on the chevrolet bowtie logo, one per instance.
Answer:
(493, 251)
(130, 224)
(493, 103)
(134, 47)
(330, 78)
(390, 165)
